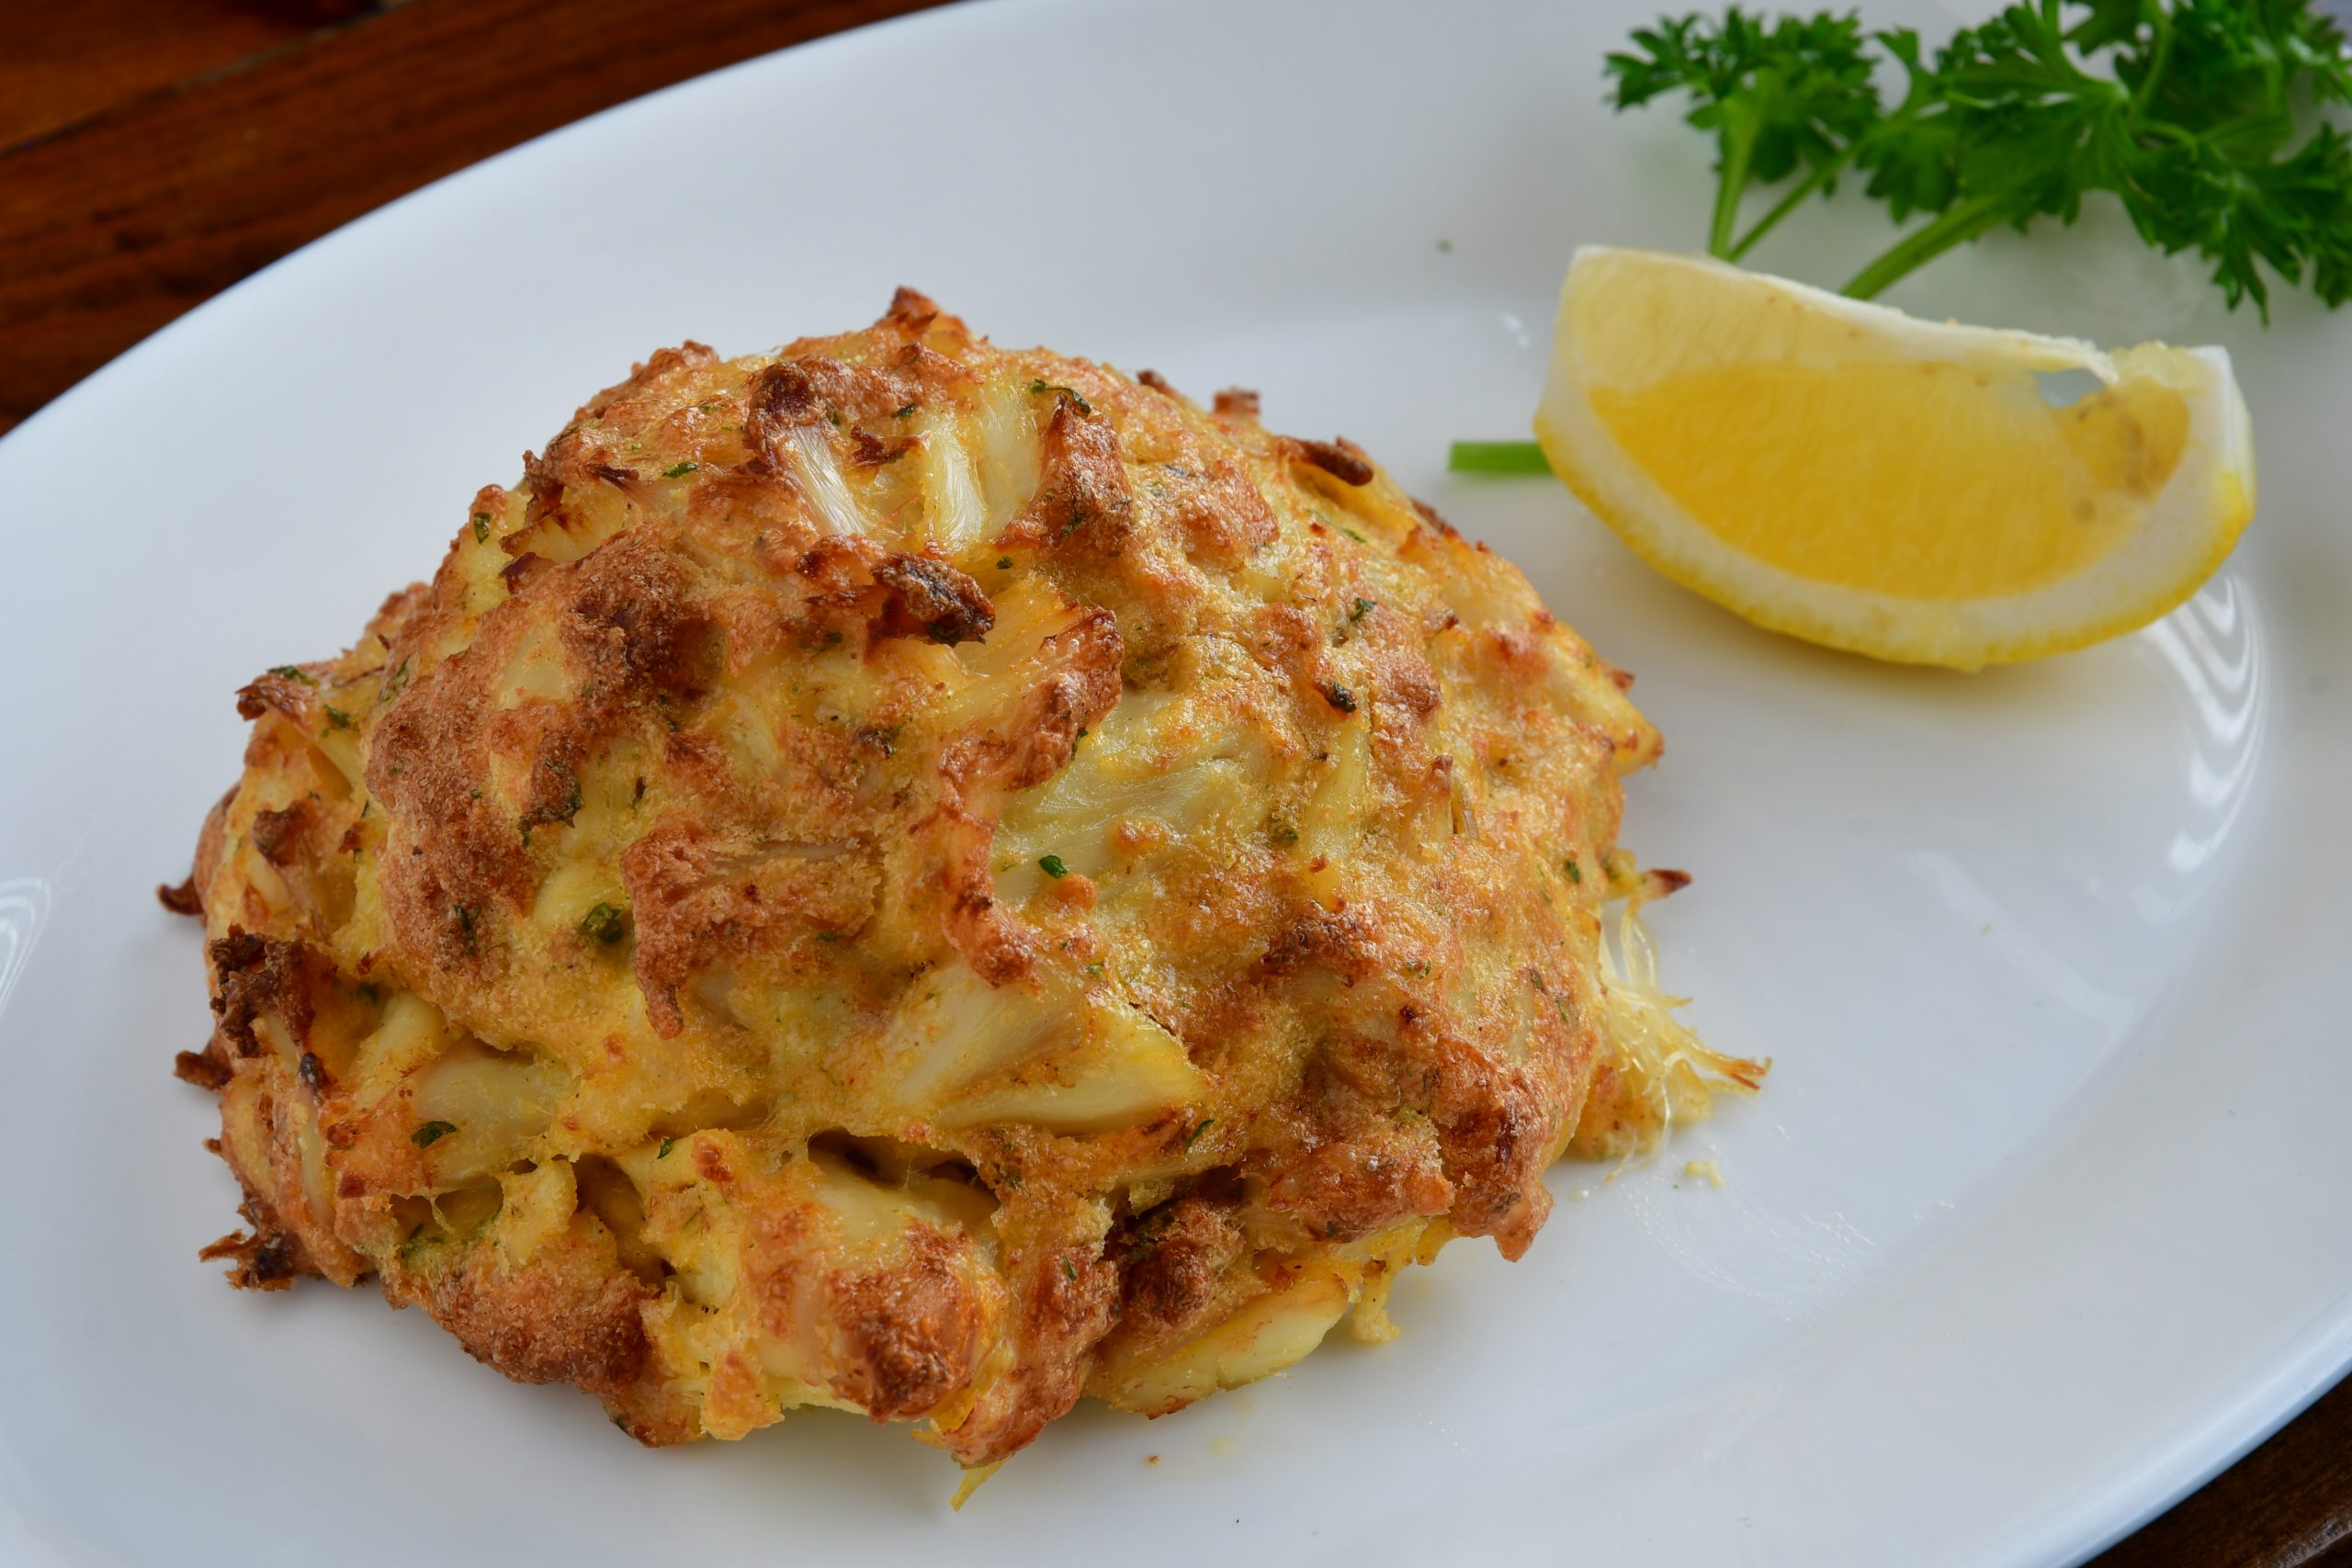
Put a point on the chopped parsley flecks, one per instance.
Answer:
(432, 1133)
(1194, 1136)
(1342, 698)
(667, 1144)
(606, 923)
(482, 527)
(337, 718)
(679, 470)
(1041, 386)
(1053, 865)
(291, 672)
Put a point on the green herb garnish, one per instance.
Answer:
(679, 470)
(2196, 115)
(2183, 109)
(1041, 386)
(606, 923)
(1194, 1136)
(482, 527)
(293, 674)
(667, 1144)
(1496, 458)
(432, 1133)
(337, 718)
(394, 685)
(1052, 865)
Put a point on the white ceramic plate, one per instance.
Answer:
(2041, 1220)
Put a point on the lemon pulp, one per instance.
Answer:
(1925, 479)
(1845, 473)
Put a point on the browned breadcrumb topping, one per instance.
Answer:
(917, 877)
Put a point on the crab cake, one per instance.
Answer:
(926, 879)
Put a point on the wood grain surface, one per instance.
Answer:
(154, 152)
(115, 223)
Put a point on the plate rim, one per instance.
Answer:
(2175, 1464)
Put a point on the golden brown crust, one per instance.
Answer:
(917, 877)
(702, 893)
(1067, 1295)
(1342, 458)
(570, 1317)
(263, 1258)
(1082, 484)
(1179, 1259)
(910, 1333)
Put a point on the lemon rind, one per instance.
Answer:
(2188, 530)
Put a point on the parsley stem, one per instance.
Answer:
(1794, 199)
(2157, 59)
(1496, 458)
(1963, 224)
(1738, 143)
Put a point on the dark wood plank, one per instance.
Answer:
(115, 226)
(2286, 1505)
(64, 62)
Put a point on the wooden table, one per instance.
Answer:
(154, 152)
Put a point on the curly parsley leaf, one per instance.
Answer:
(2205, 118)
(1777, 96)
(2192, 113)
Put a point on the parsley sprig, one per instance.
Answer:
(1778, 96)
(2196, 114)
(2206, 118)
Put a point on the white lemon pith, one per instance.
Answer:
(1856, 476)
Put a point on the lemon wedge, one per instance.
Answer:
(1856, 476)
